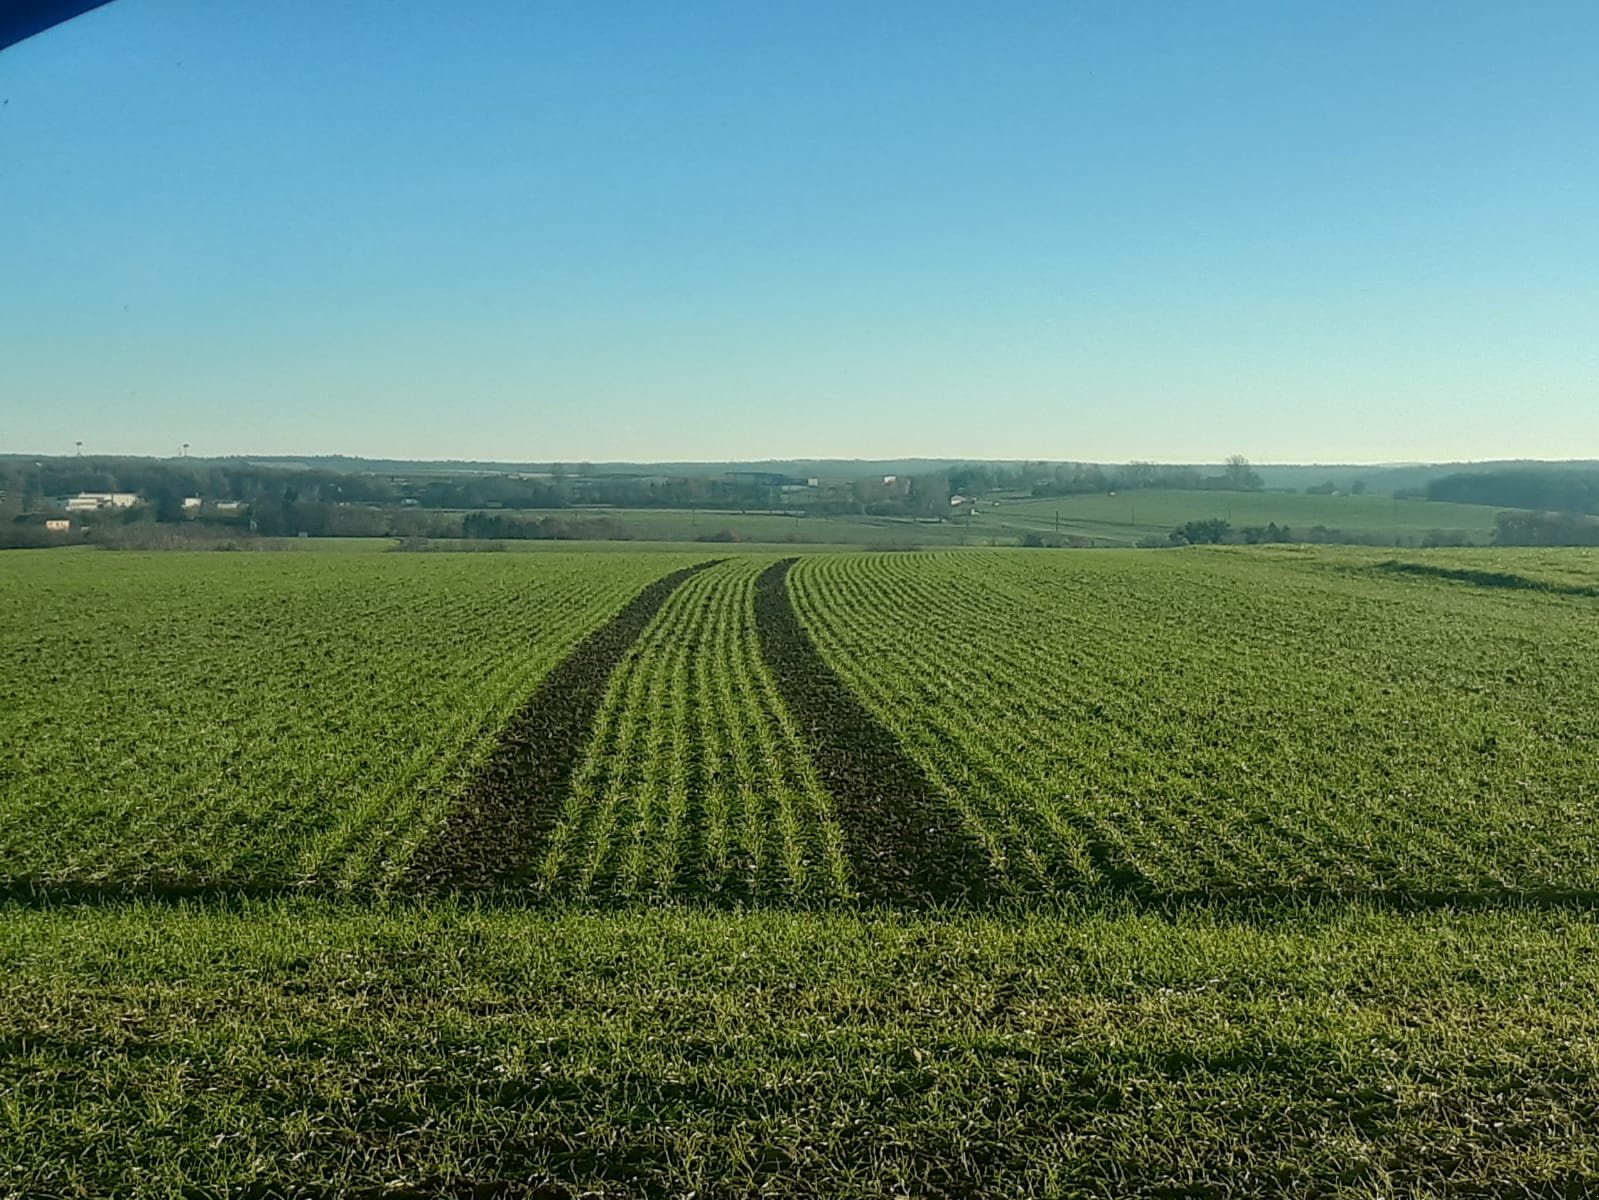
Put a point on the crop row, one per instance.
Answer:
(1231, 723)
(190, 720)
(695, 782)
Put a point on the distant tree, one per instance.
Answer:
(168, 499)
(1209, 532)
(1545, 529)
(1239, 474)
(929, 495)
(1541, 489)
(1255, 535)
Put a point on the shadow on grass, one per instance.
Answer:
(1506, 580)
(1236, 903)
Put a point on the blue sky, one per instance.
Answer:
(1329, 232)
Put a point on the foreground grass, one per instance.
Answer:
(669, 1052)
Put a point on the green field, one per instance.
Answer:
(1125, 517)
(1105, 520)
(664, 1053)
(182, 720)
(989, 872)
(797, 529)
(1232, 721)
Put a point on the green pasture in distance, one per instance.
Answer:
(1120, 519)
(192, 719)
(701, 549)
(153, 1049)
(1128, 516)
(687, 525)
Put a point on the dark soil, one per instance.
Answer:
(516, 800)
(905, 843)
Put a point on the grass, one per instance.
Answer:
(187, 720)
(1292, 851)
(1115, 520)
(150, 1050)
(696, 782)
(778, 529)
(1233, 721)
(1128, 516)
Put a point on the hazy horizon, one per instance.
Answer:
(723, 233)
(309, 456)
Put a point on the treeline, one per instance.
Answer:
(39, 481)
(1545, 529)
(1071, 479)
(1541, 489)
(509, 527)
(1216, 531)
(163, 485)
(138, 527)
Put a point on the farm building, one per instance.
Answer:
(93, 501)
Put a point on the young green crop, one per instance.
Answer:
(182, 720)
(1220, 723)
(1275, 746)
(695, 783)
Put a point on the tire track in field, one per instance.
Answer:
(516, 799)
(905, 844)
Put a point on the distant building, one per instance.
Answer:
(890, 480)
(231, 506)
(58, 525)
(93, 501)
(191, 504)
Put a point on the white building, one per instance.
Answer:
(91, 501)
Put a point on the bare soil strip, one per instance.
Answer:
(516, 800)
(905, 842)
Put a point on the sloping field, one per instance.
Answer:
(1263, 872)
(179, 721)
(1215, 724)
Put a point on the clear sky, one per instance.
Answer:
(587, 230)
